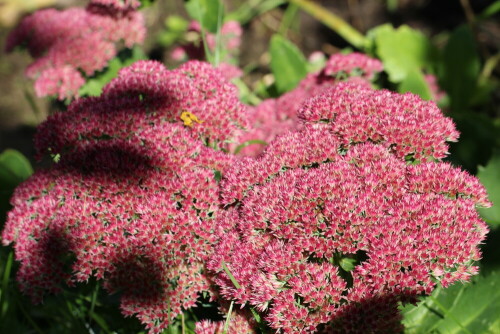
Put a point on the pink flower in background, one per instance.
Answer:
(62, 82)
(352, 64)
(230, 41)
(83, 39)
(436, 92)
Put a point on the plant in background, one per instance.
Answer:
(228, 40)
(71, 44)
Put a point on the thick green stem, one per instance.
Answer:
(341, 27)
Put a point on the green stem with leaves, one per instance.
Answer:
(341, 27)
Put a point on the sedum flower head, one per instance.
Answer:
(75, 40)
(408, 125)
(352, 64)
(134, 197)
(137, 214)
(334, 225)
(194, 95)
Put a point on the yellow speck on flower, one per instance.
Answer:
(188, 118)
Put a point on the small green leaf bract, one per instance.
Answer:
(416, 84)
(288, 64)
(402, 50)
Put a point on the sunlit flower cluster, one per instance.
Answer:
(75, 42)
(352, 64)
(405, 123)
(337, 222)
(134, 196)
(347, 212)
(136, 213)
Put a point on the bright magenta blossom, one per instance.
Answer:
(352, 64)
(405, 123)
(137, 214)
(332, 225)
(77, 39)
(147, 93)
(134, 197)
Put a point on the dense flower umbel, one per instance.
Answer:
(352, 64)
(276, 116)
(74, 40)
(405, 123)
(134, 196)
(137, 213)
(147, 93)
(405, 226)
(340, 191)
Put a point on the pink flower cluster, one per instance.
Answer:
(408, 125)
(67, 43)
(352, 64)
(303, 209)
(137, 214)
(276, 116)
(194, 95)
(134, 197)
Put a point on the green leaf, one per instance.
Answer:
(402, 50)
(252, 8)
(14, 169)
(490, 178)
(175, 27)
(206, 12)
(347, 263)
(416, 84)
(462, 308)
(477, 137)
(288, 64)
(461, 68)
(491, 10)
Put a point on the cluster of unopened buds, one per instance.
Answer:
(347, 212)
